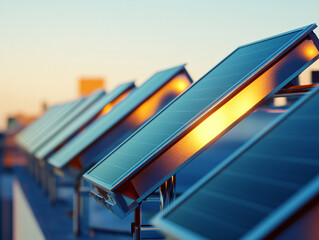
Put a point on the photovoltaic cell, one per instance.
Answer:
(301, 225)
(199, 117)
(82, 120)
(67, 119)
(201, 95)
(52, 121)
(36, 124)
(239, 195)
(33, 129)
(236, 137)
(106, 123)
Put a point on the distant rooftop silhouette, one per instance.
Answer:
(89, 85)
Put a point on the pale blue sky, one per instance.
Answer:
(47, 45)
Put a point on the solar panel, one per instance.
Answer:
(200, 115)
(108, 131)
(51, 122)
(104, 103)
(235, 138)
(302, 225)
(258, 187)
(68, 118)
(26, 132)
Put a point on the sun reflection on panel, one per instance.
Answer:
(172, 89)
(116, 101)
(226, 115)
(221, 117)
(241, 103)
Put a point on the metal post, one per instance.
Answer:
(80, 208)
(37, 171)
(29, 163)
(34, 167)
(44, 176)
(168, 192)
(136, 228)
(52, 187)
(167, 196)
(47, 178)
(76, 209)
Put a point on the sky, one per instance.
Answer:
(46, 46)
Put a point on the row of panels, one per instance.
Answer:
(155, 141)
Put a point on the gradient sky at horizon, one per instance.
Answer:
(46, 46)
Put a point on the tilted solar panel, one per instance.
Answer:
(207, 109)
(26, 132)
(250, 193)
(69, 117)
(236, 137)
(67, 107)
(143, 103)
(302, 225)
(102, 103)
(34, 128)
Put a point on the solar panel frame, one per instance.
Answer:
(300, 199)
(65, 108)
(33, 127)
(27, 131)
(256, 121)
(271, 222)
(177, 70)
(97, 106)
(299, 224)
(304, 31)
(67, 119)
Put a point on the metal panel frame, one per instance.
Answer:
(102, 101)
(180, 69)
(40, 132)
(305, 31)
(66, 120)
(266, 225)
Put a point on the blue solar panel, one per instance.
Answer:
(301, 225)
(249, 187)
(104, 127)
(40, 133)
(67, 119)
(29, 130)
(82, 120)
(129, 170)
(235, 138)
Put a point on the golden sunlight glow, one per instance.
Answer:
(221, 117)
(310, 51)
(181, 83)
(116, 101)
(170, 90)
(233, 109)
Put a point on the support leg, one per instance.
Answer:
(76, 210)
(168, 192)
(52, 187)
(136, 229)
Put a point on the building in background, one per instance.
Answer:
(89, 85)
